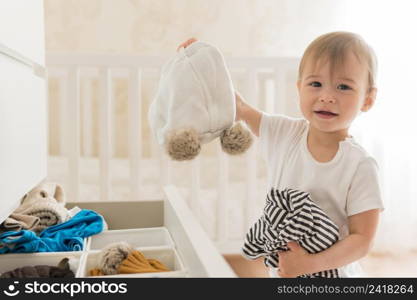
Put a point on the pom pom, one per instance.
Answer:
(183, 144)
(112, 255)
(236, 140)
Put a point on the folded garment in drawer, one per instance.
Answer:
(164, 262)
(67, 236)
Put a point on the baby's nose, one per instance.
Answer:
(327, 98)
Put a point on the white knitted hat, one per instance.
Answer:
(195, 92)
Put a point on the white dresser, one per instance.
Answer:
(165, 228)
(23, 110)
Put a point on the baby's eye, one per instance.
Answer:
(315, 84)
(343, 87)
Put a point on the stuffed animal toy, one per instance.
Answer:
(195, 103)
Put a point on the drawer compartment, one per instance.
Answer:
(137, 238)
(9, 262)
(168, 256)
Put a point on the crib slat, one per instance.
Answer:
(63, 114)
(87, 119)
(165, 162)
(161, 166)
(105, 101)
(280, 91)
(135, 130)
(251, 157)
(195, 187)
(222, 207)
(165, 167)
(73, 93)
(269, 95)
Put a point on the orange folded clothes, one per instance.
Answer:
(95, 272)
(136, 262)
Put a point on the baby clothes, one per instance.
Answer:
(195, 91)
(46, 201)
(67, 236)
(136, 262)
(17, 222)
(114, 260)
(83, 224)
(290, 215)
(41, 271)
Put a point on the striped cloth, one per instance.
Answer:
(290, 215)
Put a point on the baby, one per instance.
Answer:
(316, 154)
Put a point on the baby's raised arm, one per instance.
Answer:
(248, 114)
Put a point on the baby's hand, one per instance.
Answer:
(294, 262)
(187, 43)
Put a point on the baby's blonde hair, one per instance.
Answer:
(333, 47)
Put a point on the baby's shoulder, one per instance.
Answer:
(356, 152)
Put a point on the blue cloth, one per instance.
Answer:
(67, 236)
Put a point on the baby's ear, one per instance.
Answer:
(369, 100)
(183, 144)
(298, 85)
(236, 140)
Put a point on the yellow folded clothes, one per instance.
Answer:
(95, 272)
(136, 262)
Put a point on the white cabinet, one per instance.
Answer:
(23, 111)
(22, 28)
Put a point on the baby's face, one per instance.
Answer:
(330, 102)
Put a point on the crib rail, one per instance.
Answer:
(71, 69)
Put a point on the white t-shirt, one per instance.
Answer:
(345, 186)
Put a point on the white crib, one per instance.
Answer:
(224, 193)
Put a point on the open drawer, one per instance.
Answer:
(172, 225)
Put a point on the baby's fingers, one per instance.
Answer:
(187, 43)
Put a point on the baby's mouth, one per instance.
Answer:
(325, 114)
